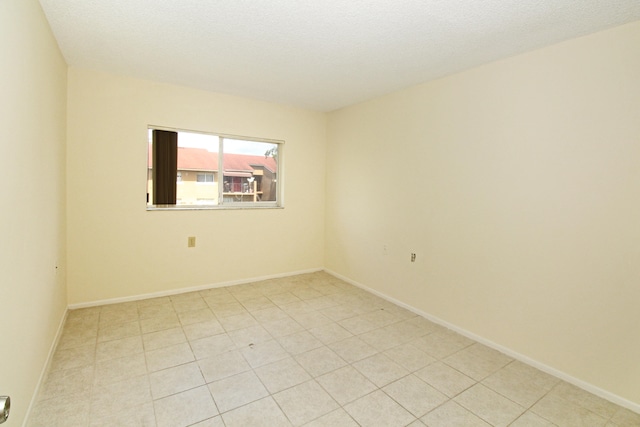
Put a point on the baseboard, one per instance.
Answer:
(611, 397)
(190, 289)
(46, 367)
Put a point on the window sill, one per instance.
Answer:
(211, 207)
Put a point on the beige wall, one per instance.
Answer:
(32, 117)
(517, 184)
(118, 249)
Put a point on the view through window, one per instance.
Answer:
(190, 169)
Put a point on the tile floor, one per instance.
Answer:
(306, 350)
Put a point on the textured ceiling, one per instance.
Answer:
(318, 54)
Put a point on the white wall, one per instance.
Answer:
(118, 249)
(517, 184)
(32, 118)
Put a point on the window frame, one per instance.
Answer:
(222, 204)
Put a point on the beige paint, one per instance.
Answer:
(118, 249)
(517, 184)
(32, 118)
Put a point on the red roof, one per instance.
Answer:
(200, 159)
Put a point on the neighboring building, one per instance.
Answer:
(246, 178)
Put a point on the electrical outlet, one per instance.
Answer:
(191, 242)
(413, 257)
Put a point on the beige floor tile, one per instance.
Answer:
(110, 399)
(382, 339)
(306, 293)
(195, 316)
(82, 315)
(238, 390)
(119, 348)
(77, 337)
(338, 312)
(284, 298)
(401, 312)
(136, 416)
(407, 331)
(263, 353)
(166, 338)
(584, 399)
(175, 380)
(282, 327)
(160, 323)
(353, 349)
(445, 379)
(380, 318)
(199, 330)
(529, 419)
(247, 336)
(152, 301)
(380, 370)
(227, 309)
(118, 314)
(378, 409)
(451, 414)
(269, 314)
(522, 384)
(300, 342)
(211, 422)
(321, 303)
(308, 319)
(111, 361)
(259, 303)
(295, 402)
(415, 395)
(409, 357)
(63, 411)
(626, 418)
(346, 384)
(237, 321)
(117, 370)
(223, 365)
(426, 326)
(489, 405)
(330, 333)
(442, 344)
(212, 346)
(189, 304)
(262, 413)
(167, 357)
(66, 382)
(186, 408)
(566, 414)
(475, 366)
(118, 331)
(320, 361)
(339, 417)
(156, 310)
(216, 299)
(283, 374)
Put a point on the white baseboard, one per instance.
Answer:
(611, 397)
(190, 289)
(45, 369)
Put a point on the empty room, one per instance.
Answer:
(297, 213)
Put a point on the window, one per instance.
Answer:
(204, 177)
(213, 171)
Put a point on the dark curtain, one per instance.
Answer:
(165, 167)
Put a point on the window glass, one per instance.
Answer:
(215, 171)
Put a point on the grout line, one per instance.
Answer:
(590, 388)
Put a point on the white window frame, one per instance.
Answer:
(222, 205)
